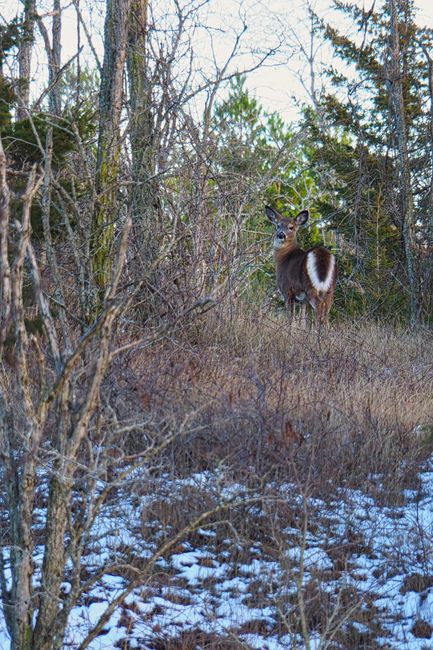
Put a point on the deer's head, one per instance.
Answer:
(286, 229)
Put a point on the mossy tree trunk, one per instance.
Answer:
(144, 202)
(109, 140)
(25, 59)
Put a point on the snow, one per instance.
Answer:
(354, 545)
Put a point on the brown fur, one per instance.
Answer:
(293, 278)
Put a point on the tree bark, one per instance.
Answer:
(44, 637)
(25, 59)
(5, 269)
(55, 104)
(428, 267)
(19, 603)
(109, 141)
(53, 51)
(143, 196)
(399, 123)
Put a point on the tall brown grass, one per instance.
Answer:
(355, 404)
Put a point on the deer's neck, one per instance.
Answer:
(284, 250)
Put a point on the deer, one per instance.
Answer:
(303, 277)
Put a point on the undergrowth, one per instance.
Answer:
(352, 407)
(306, 432)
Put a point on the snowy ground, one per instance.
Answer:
(359, 573)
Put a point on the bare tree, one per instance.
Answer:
(53, 48)
(25, 58)
(65, 462)
(23, 430)
(398, 120)
(117, 21)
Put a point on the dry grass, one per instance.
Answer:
(354, 407)
(289, 416)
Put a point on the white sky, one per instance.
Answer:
(276, 85)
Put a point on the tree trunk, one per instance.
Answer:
(398, 120)
(53, 566)
(21, 503)
(5, 269)
(428, 266)
(18, 451)
(53, 51)
(140, 96)
(109, 142)
(55, 105)
(25, 59)
(143, 197)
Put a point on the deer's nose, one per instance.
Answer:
(281, 235)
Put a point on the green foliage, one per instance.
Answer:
(10, 36)
(25, 142)
(255, 144)
(25, 139)
(7, 98)
(80, 90)
(352, 153)
(257, 149)
(353, 202)
(367, 54)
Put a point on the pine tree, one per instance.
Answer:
(261, 160)
(371, 155)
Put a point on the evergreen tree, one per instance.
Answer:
(371, 154)
(261, 160)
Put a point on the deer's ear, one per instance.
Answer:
(272, 215)
(302, 217)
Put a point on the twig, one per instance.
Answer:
(36, 105)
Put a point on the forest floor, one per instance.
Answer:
(360, 574)
(291, 505)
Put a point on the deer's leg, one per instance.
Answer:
(320, 314)
(314, 303)
(303, 309)
(323, 309)
(320, 319)
(290, 306)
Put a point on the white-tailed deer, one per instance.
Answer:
(302, 276)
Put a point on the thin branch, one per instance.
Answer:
(55, 81)
(87, 33)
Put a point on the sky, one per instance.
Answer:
(278, 85)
